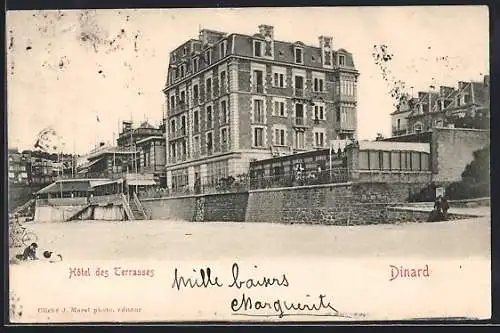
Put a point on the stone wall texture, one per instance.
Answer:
(336, 204)
(181, 208)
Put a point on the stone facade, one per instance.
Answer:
(316, 84)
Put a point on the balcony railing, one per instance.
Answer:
(179, 133)
(223, 89)
(179, 108)
(224, 147)
(298, 92)
(258, 88)
(300, 121)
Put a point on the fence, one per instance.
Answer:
(243, 183)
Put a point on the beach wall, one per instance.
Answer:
(335, 204)
(108, 213)
(179, 208)
(56, 213)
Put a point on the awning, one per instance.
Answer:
(106, 182)
(141, 182)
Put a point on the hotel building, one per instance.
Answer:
(233, 98)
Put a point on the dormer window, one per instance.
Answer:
(223, 49)
(257, 48)
(184, 51)
(341, 60)
(299, 58)
(209, 56)
(196, 64)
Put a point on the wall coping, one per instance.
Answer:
(290, 188)
(460, 129)
(423, 172)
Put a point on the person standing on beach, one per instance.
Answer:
(445, 206)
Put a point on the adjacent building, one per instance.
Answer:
(234, 98)
(446, 107)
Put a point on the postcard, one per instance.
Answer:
(249, 164)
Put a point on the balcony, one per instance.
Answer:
(179, 108)
(298, 92)
(223, 89)
(178, 158)
(177, 134)
(346, 98)
(258, 88)
(224, 147)
(300, 122)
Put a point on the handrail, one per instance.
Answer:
(127, 209)
(139, 205)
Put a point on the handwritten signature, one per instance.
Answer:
(207, 279)
(246, 306)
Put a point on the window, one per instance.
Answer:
(467, 99)
(319, 139)
(223, 138)
(209, 56)
(280, 137)
(224, 117)
(298, 56)
(318, 85)
(184, 51)
(299, 85)
(279, 109)
(182, 70)
(257, 48)
(299, 114)
(209, 116)
(418, 128)
(222, 81)
(399, 124)
(299, 139)
(208, 87)
(341, 60)
(196, 121)
(183, 97)
(279, 80)
(459, 98)
(258, 111)
(172, 126)
(183, 125)
(258, 81)
(195, 93)
(258, 137)
(338, 114)
(319, 112)
(172, 102)
(196, 64)
(210, 143)
(223, 49)
(196, 144)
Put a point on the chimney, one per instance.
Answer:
(266, 30)
(101, 144)
(486, 80)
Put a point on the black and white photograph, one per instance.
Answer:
(248, 164)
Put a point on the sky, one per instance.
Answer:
(67, 69)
